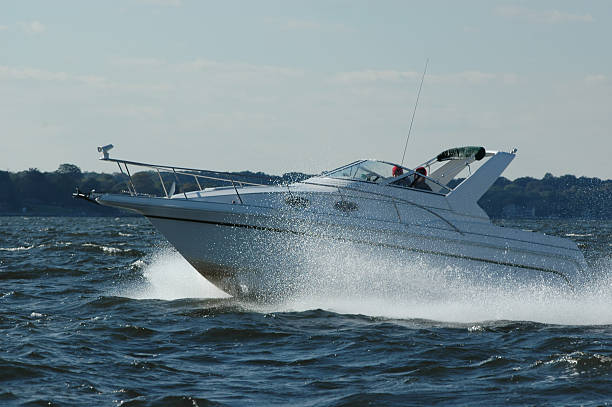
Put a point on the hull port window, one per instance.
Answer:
(345, 206)
(297, 202)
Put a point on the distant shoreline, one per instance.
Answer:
(36, 194)
(59, 211)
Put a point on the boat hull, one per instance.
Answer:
(271, 253)
(245, 259)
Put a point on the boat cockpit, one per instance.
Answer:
(434, 175)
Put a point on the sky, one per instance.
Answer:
(281, 86)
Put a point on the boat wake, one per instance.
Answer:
(353, 282)
(372, 284)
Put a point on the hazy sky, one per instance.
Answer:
(305, 85)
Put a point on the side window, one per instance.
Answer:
(364, 174)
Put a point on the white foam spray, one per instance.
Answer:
(168, 276)
(351, 281)
(376, 284)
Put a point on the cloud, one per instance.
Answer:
(597, 79)
(510, 78)
(31, 73)
(391, 76)
(199, 70)
(133, 111)
(166, 3)
(7, 72)
(210, 67)
(542, 16)
(32, 27)
(236, 71)
(49, 76)
(138, 62)
(4, 27)
(467, 77)
(306, 25)
(372, 75)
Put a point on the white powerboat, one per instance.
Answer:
(251, 239)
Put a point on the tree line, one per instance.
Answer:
(550, 197)
(33, 192)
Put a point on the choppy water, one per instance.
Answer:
(98, 311)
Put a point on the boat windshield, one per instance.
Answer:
(381, 172)
(368, 170)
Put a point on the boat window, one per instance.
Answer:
(369, 170)
(297, 202)
(346, 206)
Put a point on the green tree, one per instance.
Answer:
(69, 169)
(8, 192)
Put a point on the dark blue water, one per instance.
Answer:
(98, 311)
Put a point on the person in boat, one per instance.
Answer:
(419, 179)
(397, 172)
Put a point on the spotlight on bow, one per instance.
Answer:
(104, 151)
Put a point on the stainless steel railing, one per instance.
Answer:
(197, 174)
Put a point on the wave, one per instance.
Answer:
(16, 249)
(110, 249)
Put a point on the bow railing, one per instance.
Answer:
(177, 176)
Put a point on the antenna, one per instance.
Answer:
(414, 111)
